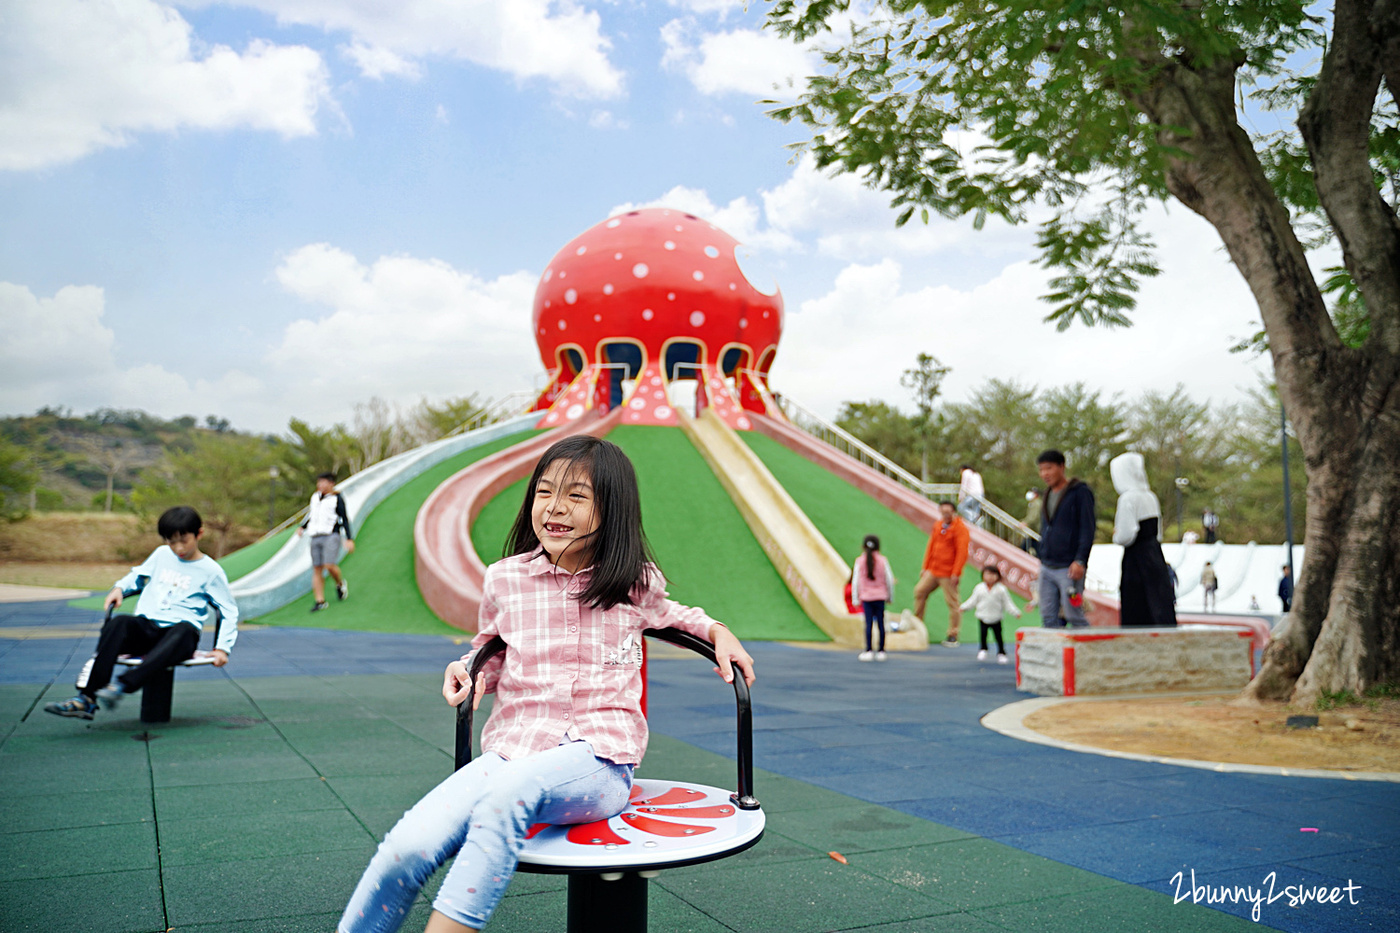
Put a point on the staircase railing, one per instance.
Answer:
(1003, 524)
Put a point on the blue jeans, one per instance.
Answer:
(1056, 588)
(481, 814)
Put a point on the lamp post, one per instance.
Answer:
(272, 474)
(1181, 484)
(1287, 495)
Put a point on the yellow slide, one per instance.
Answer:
(806, 561)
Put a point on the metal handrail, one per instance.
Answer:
(814, 424)
(502, 409)
(287, 523)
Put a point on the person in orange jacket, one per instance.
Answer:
(943, 567)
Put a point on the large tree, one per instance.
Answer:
(1091, 111)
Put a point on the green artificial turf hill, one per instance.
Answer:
(709, 556)
(384, 594)
(845, 515)
(245, 560)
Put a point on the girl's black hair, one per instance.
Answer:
(992, 568)
(181, 520)
(869, 546)
(621, 553)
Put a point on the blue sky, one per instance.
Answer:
(276, 208)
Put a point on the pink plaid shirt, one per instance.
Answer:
(569, 670)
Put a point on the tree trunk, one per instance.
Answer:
(1343, 632)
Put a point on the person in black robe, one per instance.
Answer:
(1145, 589)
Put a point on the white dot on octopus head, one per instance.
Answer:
(640, 270)
(712, 252)
(563, 324)
(597, 317)
(607, 289)
(697, 275)
(646, 315)
(743, 322)
(697, 318)
(571, 296)
(614, 223)
(670, 296)
(581, 250)
(548, 274)
(617, 255)
(669, 245)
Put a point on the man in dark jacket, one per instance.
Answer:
(1285, 588)
(1066, 535)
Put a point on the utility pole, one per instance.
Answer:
(1287, 495)
(272, 474)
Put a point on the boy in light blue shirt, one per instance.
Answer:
(180, 587)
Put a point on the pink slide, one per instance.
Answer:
(447, 567)
(1018, 568)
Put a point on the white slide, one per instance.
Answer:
(286, 575)
(810, 567)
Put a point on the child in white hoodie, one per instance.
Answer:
(990, 602)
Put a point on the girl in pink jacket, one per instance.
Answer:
(872, 585)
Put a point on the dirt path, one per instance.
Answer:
(1354, 738)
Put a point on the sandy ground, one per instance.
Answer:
(1353, 738)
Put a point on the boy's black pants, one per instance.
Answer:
(159, 646)
(995, 629)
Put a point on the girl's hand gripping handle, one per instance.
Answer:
(456, 684)
(729, 654)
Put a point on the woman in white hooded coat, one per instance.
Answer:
(1146, 587)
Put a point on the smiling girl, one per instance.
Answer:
(571, 601)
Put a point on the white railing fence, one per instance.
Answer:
(999, 521)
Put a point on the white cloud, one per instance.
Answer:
(376, 62)
(853, 342)
(720, 8)
(607, 120)
(57, 351)
(836, 216)
(401, 328)
(558, 41)
(76, 77)
(739, 61)
(740, 218)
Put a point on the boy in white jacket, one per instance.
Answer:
(990, 602)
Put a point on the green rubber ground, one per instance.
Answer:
(845, 515)
(384, 595)
(707, 552)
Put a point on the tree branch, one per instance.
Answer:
(1336, 126)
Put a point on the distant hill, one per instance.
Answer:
(80, 458)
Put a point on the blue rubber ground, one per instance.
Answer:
(973, 830)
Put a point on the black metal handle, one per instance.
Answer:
(743, 798)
